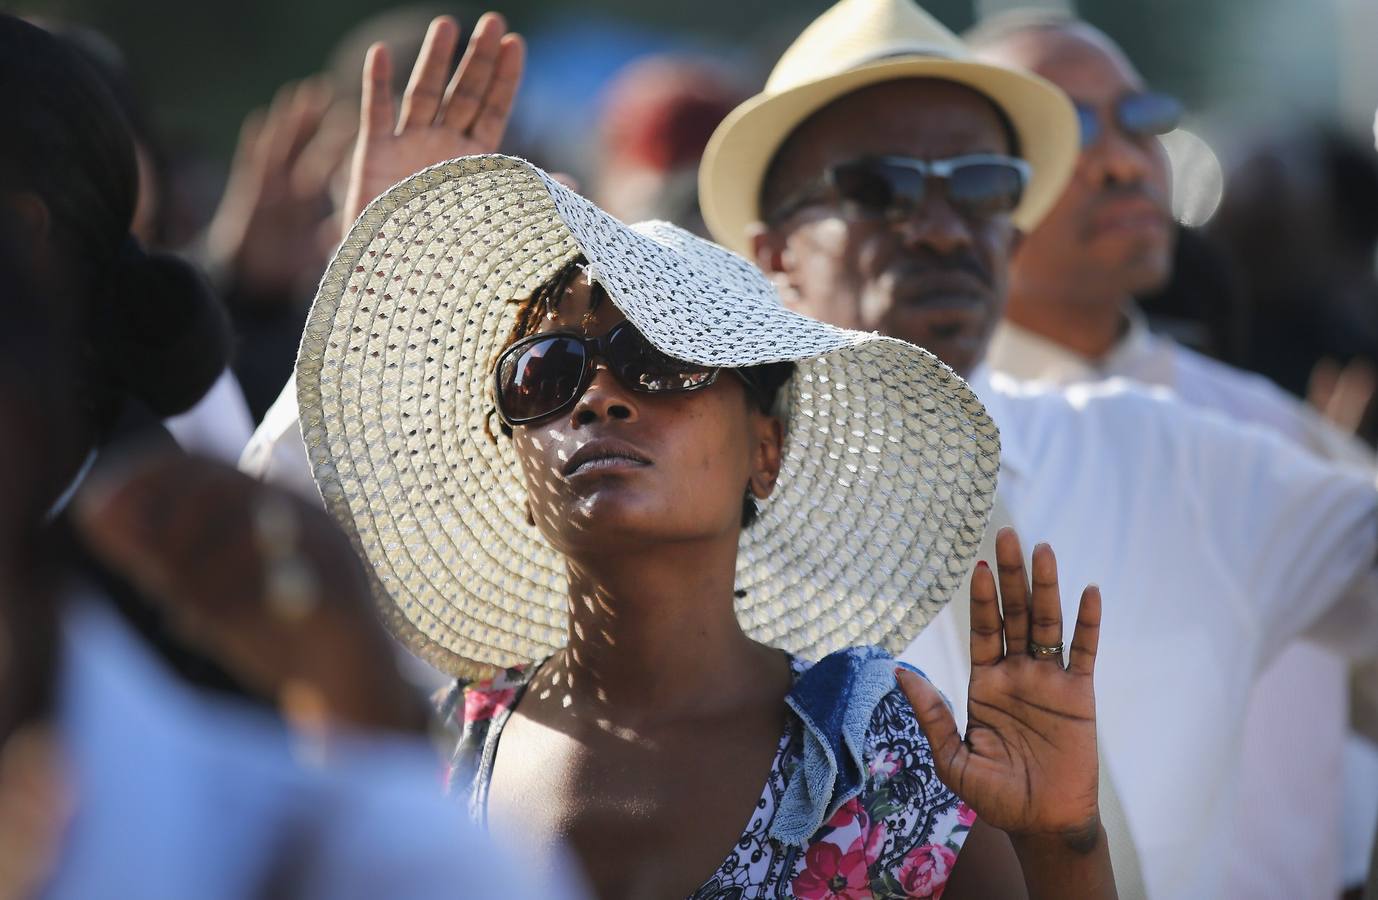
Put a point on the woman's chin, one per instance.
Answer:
(603, 519)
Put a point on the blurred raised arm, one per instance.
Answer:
(443, 114)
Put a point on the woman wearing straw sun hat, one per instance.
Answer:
(666, 534)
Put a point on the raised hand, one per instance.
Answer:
(442, 116)
(260, 579)
(1028, 765)
(267, 231)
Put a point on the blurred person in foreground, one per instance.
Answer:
(1072, 319)
(881, 178)
(657, 115)
(148, 338)
(218, 424)
(117, 777)
(118, 780)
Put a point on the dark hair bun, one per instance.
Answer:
(166, 338)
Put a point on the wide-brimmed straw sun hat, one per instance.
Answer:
(859, 43)
(889, 465)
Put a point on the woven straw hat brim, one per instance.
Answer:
(890, 461)
(740, 152)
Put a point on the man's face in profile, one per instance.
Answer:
(1113, 223)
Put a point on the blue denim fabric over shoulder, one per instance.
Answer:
(835, 700)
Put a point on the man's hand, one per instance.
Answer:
(443, 115)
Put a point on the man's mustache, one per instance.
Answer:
(1123, 191)
(922, 265)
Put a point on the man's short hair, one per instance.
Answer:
(1002, 26)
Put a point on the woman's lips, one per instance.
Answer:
(604, 455)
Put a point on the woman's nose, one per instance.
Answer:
(605, 399)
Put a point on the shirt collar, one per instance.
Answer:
(1020, 353)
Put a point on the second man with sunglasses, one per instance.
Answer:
(1072, 319)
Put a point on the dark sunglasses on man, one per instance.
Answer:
(892, 187)
(545, 374)
(1137, 116)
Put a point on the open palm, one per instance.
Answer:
(442, 116)
(1028, 764)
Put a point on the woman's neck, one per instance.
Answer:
(655, 634)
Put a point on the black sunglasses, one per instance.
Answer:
(1136, 115)
(546, 374)
(892, 187)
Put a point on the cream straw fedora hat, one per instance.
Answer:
(862, 42)
(890, 461)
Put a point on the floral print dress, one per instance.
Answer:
(898, 838)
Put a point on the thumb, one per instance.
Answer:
(937, 723)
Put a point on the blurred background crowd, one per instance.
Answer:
(246, 115)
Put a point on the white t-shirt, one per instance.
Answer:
(1297, 735)
(219, 425)
(276, 453)
(1214, 545)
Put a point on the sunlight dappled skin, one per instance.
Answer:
(697, 448)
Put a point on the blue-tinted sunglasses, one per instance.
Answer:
(1135, 115)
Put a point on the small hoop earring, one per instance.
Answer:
(751, 508)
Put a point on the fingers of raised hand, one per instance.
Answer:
(469, 86)
(491, 123)
(375, 102)
(1045, 613)
(293, 120)
(938, 724)
(1014, 589)
(426, 87)
(1086, 637)
(325, 154)
(987, 633)
(249, 150)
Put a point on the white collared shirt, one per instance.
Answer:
(1214, 545)
(1298, 718)
(1146, 358)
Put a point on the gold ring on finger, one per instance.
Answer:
(1045, 651)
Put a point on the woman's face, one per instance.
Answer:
(639, 468)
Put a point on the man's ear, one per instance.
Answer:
(770, 440)
(770, 252)
(767, 248)
(1016, 241)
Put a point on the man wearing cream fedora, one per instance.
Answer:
(883, 177)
